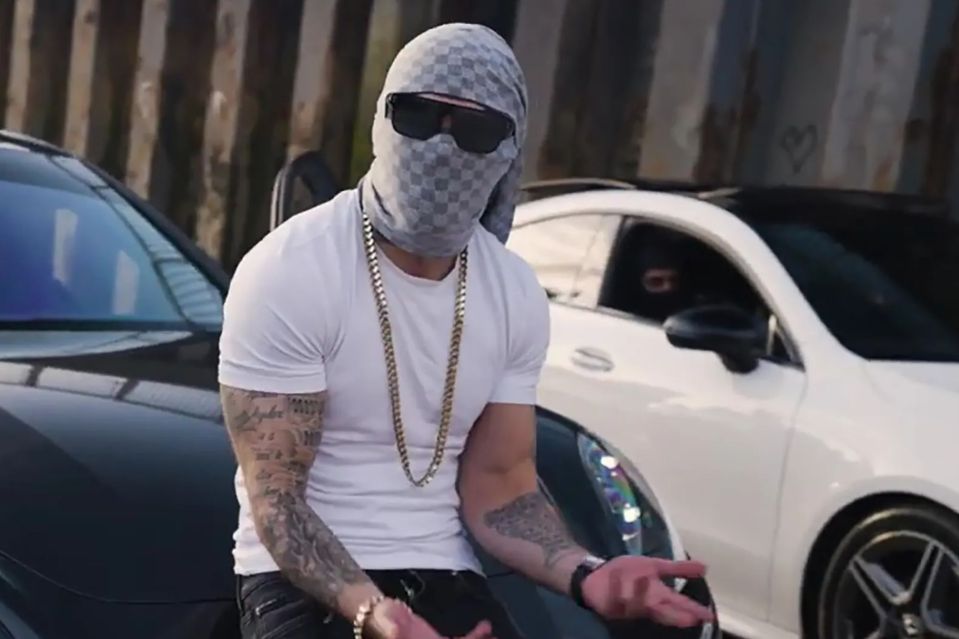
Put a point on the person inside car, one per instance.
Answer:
(651, 276)
(662, 288)
(379, 362)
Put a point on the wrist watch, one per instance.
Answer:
(586, 567)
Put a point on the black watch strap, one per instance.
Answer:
(585, 568)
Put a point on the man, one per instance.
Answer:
(661, 289)
(380, 355)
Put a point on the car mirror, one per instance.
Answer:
(300, 185)
(736, 336)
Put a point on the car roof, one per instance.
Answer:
(24, 142)
(26, 160)
(779, 202)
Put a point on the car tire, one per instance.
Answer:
(912, 545)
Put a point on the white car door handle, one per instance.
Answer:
(592, 359)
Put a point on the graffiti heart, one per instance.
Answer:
(799, 143)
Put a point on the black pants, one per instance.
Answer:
(453, 602)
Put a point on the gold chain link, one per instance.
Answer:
(392, 377)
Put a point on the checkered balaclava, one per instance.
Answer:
(426, 196)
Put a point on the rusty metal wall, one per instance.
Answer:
(197, 103)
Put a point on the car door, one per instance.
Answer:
(711, 442)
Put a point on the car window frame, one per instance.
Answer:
(795, 359)
(572, 301)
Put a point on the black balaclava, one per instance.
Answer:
(663, 255)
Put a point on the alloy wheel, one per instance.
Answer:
(899, 585)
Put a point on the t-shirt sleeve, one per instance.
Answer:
(526, 349)
(273, 331)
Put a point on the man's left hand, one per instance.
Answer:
(631, 587)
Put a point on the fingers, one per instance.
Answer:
(410, 626)
(699, 611)
(634, 587)
(483, 630)
(674, 609)
(402, 620)
(670, 616)
(688, 569)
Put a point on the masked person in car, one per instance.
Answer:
(661, 286)
(379, 362)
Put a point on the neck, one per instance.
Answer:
(430, 268)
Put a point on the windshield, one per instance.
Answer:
(75, 254)
(883, 284)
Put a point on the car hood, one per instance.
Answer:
(121, 486)
(36, 344)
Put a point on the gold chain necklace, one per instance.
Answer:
(386, 332)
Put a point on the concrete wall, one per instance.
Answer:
(197, 103)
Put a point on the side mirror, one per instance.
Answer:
(736, 336)
(300, 185)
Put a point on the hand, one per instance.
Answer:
(394, 620)
(630, 587)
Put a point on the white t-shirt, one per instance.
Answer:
(300, 317)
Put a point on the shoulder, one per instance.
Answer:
(294, 276)
(316, 240)
(526, 321)
(326, 226)
(280, 318)
(517, 277)
(523, 297)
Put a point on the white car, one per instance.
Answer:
(799, 410)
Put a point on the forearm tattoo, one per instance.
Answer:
(531, 518)
(274, 437)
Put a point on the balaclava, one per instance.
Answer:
(658, 252)
(427, 196)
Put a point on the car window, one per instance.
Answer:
(568, 253)
(885, 287)
(656, 272)
(72, 251)
(589, 282)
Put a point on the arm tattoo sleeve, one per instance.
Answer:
(274, 437)
(531, 518)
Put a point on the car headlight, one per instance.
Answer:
(637, 513)
(632, 505)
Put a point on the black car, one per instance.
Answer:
(117, 504)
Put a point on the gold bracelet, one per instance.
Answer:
(362, 613)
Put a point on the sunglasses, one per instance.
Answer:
(474, 130)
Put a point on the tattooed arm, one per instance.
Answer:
(501, 502)
(274, 437)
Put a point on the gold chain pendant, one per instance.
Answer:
(392, 377)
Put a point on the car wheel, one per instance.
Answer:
(895, 575)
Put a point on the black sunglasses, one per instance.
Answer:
(474, 130)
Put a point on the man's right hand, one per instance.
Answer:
(394, 620)
(630, 587)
